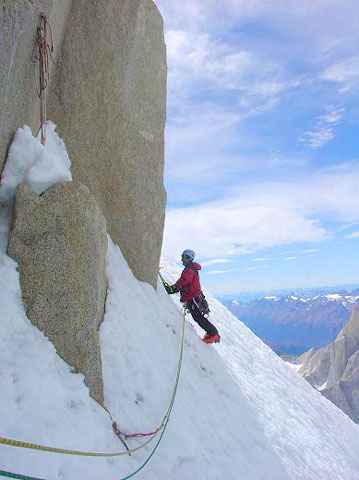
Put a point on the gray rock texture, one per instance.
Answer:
(18, 23)
(107, 94)
(334, 370)
(108, 98)
(59, 241)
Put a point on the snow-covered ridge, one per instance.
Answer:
(334, 297)
(272, 297)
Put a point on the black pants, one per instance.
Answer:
(199, 318)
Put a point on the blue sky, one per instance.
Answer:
(262, 155)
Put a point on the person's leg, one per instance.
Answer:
(202, 321)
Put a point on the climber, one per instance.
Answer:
(192, 296)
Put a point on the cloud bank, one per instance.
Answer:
(267, 215)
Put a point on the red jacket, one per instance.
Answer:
(188, 284)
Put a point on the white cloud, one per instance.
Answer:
(215, 262)
(218, 79)
(346, 226)
(260, 259)
(344, 73)
(240, 251)
(323, 132)
(353, 235)
(234, 60)
(216, 272)
(333, 116)
(267, 215)
(312, 250)
(198, 62)
(323, 33)
(259, 267)
(218, 228)
(318, 137)
(290, 258)
(220, 16)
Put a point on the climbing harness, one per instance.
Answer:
(162, 427)
(202, 304)
(44, 51)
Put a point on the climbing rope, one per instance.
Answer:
(122, 435)
(116, 430)
(167, 416)
(44, 52)
(17, 475)
(163, 425)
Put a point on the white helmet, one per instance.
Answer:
(188, 254)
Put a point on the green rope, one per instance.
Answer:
(169, 408)
(17, 475)
(167, 417)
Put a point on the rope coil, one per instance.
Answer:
(45, 49)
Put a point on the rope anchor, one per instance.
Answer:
(43, 52)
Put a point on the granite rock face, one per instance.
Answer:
(334, 370)
(108, 98)
(59, 241)
(18, 23)
(107, 94)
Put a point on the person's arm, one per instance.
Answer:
(185, 279)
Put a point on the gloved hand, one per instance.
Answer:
(170, 289)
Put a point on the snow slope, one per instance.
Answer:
(240, 411)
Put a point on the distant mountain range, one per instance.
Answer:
(292, 324)
(299, 292)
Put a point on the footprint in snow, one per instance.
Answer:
(139, 398)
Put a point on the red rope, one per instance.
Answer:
(121, 434)
(134, 435)
(45, 51)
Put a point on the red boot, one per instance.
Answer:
(215, 338)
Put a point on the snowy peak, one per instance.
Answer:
(270, 298)
(312, 299)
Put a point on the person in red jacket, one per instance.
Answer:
(192, 296)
